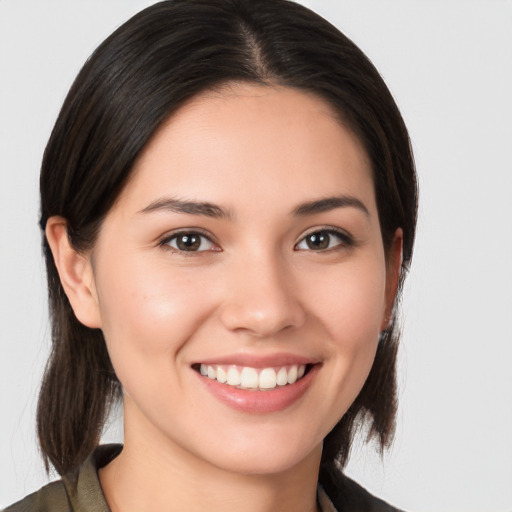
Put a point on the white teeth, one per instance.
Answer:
(212, 372)
(221, 375)
(233, 377)
(249, 378)
(282, 377)
(268, 379)
(292, 374)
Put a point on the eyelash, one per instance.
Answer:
(165, 242)
(345, 240)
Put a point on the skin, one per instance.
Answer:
(257, 288)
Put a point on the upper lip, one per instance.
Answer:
(259, 360)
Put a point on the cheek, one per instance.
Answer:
(148, 313)
(350, 301)
(350, 304)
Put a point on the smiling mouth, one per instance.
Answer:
(257, 379)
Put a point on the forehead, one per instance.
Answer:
(236, 142)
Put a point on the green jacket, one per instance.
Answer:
(82, 492)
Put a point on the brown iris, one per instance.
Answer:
(188, 242)
(318, 241)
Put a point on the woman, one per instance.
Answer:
(229, 200)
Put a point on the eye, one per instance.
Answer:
(323, 240)
(189, 241)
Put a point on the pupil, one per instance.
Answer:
(318, 241)
(188, 242)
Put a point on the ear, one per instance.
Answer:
(393, 266)
(75, 272)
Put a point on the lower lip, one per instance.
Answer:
(260, 402)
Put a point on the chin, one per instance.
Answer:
(266, 456)
(271, 464)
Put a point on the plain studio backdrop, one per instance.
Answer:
(449, 65)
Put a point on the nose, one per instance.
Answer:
(261, 298)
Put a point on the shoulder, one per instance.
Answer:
(348, 496)
(50, 498)
(76, 491)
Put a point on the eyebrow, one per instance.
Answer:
(171, 204)
(204, 208)
(330, 203)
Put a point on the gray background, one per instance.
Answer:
(449, 64)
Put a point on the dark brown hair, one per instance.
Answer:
(137, 78)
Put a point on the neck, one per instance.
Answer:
(152, 473)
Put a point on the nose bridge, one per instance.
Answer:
(262, 297)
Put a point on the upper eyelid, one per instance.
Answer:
(329, 229)
(182, 231)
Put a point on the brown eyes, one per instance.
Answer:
(320, 240)
(190, 242)
(324, 240)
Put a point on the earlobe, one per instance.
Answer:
(75, 272)
(394, 264)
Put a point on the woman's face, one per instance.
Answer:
(245, 246)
